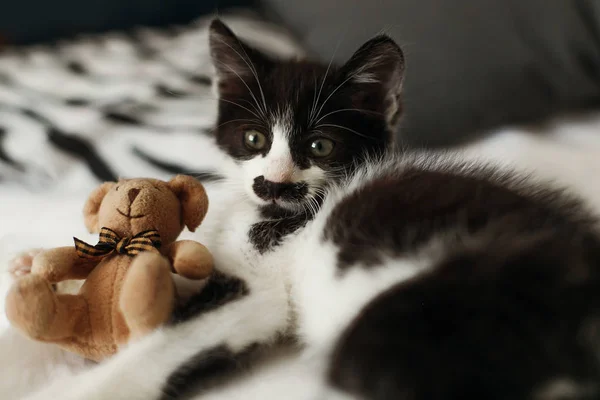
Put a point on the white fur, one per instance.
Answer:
(279, 164)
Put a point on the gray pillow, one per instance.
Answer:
(471, 64)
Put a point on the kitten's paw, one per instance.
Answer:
(21, 264)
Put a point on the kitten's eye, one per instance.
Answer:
(321, 147)
(255, 140)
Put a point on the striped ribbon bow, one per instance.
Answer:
(110, 241)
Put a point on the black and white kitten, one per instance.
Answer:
(408, 276)
(295, 126)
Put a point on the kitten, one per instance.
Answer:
(294, 126)
(403, 276)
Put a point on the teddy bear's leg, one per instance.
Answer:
(32, 306)
(148, 293)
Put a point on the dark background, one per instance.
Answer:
(472, 64)
(33, 21)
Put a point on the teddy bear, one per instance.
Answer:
(128, 289)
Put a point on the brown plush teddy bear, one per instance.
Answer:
(128, 289)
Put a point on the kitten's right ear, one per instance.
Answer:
(377, 69)
(235, 62)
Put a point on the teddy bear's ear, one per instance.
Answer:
(194, 202)
(92, 206)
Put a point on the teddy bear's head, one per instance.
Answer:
(131, 206)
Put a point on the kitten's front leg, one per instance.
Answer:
(142, 371)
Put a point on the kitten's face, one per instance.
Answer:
(294, 126)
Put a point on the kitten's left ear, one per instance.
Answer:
(377, 68)
(235, 62)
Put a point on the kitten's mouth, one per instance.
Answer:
(295, 206)
(280, 203)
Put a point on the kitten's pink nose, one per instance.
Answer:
(281, 176)
(280, 170)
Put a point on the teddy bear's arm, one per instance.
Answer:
(62, 263)
(190, 259)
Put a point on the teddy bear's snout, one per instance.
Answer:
(132, 194)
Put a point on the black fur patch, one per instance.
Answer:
(205, 371)
(278, 223)
(497, 323)
(400, 211)
(268, 190)
(220, 290)
(267, 234)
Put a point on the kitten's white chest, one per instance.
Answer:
(225, 233)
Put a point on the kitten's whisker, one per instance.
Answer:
(253, 68)
(347, 109)
(313, 209)
(307, 206)
(348, 129)
(315, 205)
(254, 121)
(241, 106)
(310, 205)
(210, 97)
(332, 93)
(258, 109)
(312, 113)
(313, 106)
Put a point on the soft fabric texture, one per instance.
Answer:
(128, 290)
(472, 65)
